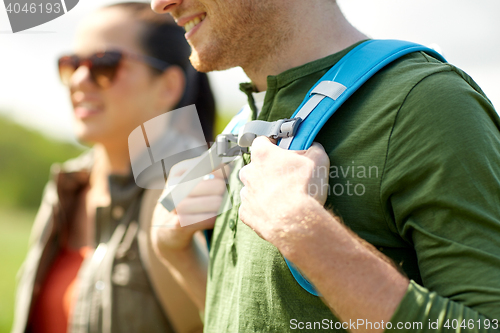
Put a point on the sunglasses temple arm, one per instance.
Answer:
(156, 63)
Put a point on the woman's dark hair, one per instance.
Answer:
(161, 38)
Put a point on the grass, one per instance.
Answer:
(15, 226)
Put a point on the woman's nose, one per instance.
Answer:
(81, 78)
(164, 6)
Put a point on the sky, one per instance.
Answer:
(465, 31)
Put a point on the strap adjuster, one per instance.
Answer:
(287, 127)
(227, 146)
(279, 129)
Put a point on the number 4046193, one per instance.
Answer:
(34, 8)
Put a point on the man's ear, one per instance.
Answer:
(172, 83)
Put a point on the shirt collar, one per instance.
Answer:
(284, 79)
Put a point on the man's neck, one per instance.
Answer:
(320, 30)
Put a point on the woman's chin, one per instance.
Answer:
(87, 135)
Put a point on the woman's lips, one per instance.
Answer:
(83, 112)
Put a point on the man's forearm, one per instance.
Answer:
(355, 280)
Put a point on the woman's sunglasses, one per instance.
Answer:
(102, 66)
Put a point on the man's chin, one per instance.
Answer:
(209, 63)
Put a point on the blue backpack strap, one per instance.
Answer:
(333, 89)
(352, 71)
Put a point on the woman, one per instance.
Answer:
(90, 267)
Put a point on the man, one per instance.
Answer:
(414, 174)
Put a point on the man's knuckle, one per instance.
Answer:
(243, 173)
(242, 193)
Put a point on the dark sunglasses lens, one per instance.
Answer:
(104, 67)
(67, 66)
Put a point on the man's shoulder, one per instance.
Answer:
(383, 95)
(404, 73)
(431, 91)
(379, 99)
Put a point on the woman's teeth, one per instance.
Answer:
(191, 24)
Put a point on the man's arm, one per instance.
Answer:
(442, 182)
(444, 194)
(354, 279)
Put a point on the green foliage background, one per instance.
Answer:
(25, 160)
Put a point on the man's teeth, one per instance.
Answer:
(190, 25)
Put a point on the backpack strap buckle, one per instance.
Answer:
(288, 128)
(283, 128)
(227, 145)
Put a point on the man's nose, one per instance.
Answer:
(164, 6)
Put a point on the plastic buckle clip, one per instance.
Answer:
(227, 146)
(287, 128)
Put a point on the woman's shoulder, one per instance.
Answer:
(82, 162)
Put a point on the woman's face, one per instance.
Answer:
(108, 115)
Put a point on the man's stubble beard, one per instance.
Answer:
(247, 39)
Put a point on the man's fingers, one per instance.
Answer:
(316, 147)
(318, 154)
(241, 174)
(316, 150)
(199, 205)
(243, 192)
(263, 146)
(261, 142)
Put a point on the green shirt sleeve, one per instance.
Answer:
(425, 311)
(441, 187)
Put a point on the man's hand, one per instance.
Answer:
(282, 203)
(276, 182)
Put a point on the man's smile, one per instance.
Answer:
(191, 24)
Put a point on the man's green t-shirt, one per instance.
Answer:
(415, 170)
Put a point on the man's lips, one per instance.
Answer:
(191, 23)
(184, 20)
